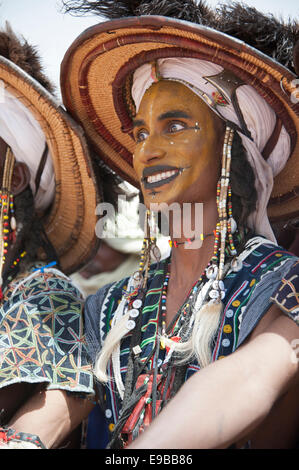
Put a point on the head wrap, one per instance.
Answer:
(258, 115)
(23, 134)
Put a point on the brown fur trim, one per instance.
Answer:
(18, 51)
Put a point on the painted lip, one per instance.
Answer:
(155, 176)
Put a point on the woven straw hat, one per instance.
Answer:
(70, 221)
(96, 76)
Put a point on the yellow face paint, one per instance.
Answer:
(178, 145)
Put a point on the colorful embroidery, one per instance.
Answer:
(239, 289)
(41, 335)
(287, 294)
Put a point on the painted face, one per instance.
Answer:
(178, 145)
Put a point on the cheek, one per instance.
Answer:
(136, 164)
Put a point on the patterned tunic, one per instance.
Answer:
(269, 274)
(41, 333)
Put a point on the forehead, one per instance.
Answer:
(167, 95)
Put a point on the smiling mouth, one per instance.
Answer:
(156, 176)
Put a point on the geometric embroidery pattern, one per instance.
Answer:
(41, 335)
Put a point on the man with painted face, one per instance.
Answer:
(197, 350)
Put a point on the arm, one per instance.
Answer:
(52, 415)
(225, 401)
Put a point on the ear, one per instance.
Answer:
(20, 178)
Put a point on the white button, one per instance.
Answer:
(229, 313)
(137, 303)
(226, 342)
(134, 313)
(130, 324)
(108, 413)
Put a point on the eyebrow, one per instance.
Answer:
(174, 114)
(168, 114)
(138, 123)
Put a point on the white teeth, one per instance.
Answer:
(161, 176)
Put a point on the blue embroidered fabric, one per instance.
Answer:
(41, 334)
(247, 299)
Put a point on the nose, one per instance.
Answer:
(150, 150)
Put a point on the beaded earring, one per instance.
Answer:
(7, 220)
(149, 250)
(226, 225)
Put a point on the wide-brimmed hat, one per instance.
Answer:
(70, 221)
(96, 78)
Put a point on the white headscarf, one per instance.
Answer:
(23, 134)
(258, 115)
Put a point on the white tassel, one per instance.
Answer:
(111, 346)
(206, 318)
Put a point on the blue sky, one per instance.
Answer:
(43, 24)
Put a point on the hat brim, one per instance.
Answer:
(96, 72)
(70, 222)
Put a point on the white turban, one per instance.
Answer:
(258, 115)
(23, 134)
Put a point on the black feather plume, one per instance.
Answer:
(264, 32)
(268, 34)
(188, 10)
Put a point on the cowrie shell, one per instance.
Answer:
(233, 225)
(214, 294)
(211, 272)
(236, 265)
(218, 285)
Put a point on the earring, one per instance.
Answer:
(227, 224)
(7, 220)
(149, 250)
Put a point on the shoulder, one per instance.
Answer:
(260, 254)
(265, 262)
(100, 307)
(110, 293)
(43, 281)
(98, 313)
(264, 265)
(286, 294)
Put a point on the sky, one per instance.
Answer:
(43, 24)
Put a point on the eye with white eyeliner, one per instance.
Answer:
(141, 135)
(176, 126)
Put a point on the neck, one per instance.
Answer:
(193, 256)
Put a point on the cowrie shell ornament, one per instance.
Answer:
(233, 225)
(212, 272)
(236, 264)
